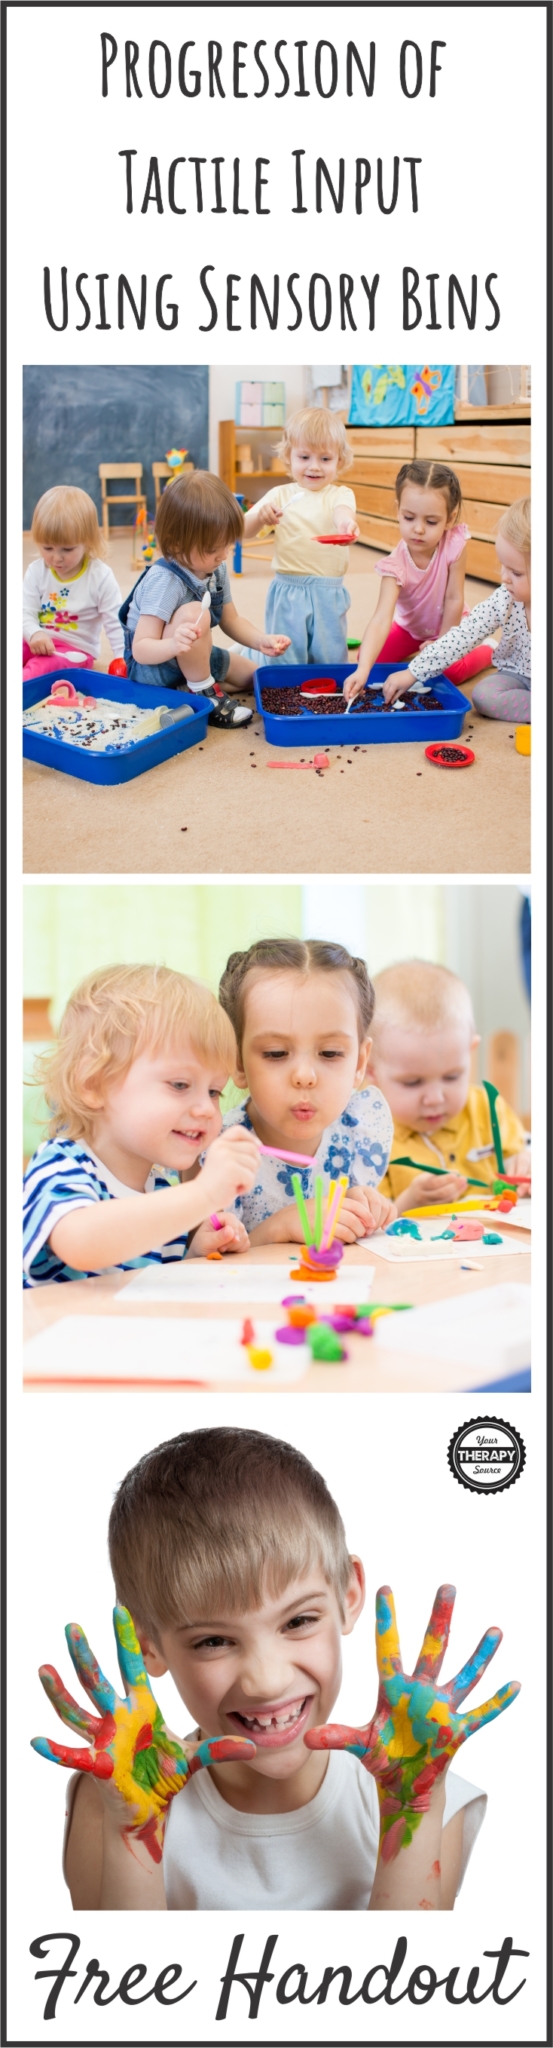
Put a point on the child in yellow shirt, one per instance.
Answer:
(306, 601)
(423, 1039)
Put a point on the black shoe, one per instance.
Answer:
(225, 710)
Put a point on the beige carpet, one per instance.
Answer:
(220, 808)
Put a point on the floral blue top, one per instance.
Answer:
(358, 1143)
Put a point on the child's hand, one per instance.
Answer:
(137, 1764)
(354, 684)
(415, 1731)
(270, 514)
(431, 1187)
(520, 1164)
(230, 1169)
(42, 643)
(379, 1210)
(190, 630)
(344, 524)
(396, 684)
(232, 1237)
(273, 643)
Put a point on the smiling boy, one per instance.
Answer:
(229, 1551)
(134, 1086)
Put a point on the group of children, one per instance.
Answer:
(164, 630)
(228, 1552)
(140, 1163)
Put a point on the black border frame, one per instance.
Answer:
(11, 6)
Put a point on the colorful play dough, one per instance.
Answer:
(402, 1228)
(324, 1345)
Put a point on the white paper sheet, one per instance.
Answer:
(228, 1279)
(410, 1251)
(487, 1333)
(115, 1351)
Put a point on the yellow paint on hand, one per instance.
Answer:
(403, 1741)
(441, 1713)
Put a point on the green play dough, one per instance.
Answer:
(324, 1344)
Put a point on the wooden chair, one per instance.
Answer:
(109, 472)
(160, 473)
(504, 1069)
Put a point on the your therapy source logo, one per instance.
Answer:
(486, 1455)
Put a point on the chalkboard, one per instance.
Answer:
(75, 418)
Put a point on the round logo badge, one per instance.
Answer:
(487, 1455)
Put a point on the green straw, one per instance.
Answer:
(301, 1208)
(318, 1210)
(422, 1167)
(492, 1094)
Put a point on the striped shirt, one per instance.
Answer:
(65, 1174)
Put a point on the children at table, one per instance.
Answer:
(423, 579)
(167, 634)
(69, 592)
(133, 1086)
(423, 1040)
(506, 694)
(306, 600)
(232, 1572)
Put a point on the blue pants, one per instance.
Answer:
(311, 610)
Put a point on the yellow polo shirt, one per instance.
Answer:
(297, 550)
(449, 1145)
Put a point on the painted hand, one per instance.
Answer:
(129, 1744)
(416, 1730)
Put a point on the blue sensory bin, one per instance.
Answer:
(113, 768)
(380, 727)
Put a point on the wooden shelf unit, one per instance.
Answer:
(491, 460)
(238, 479)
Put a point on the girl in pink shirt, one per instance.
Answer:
(423, 580)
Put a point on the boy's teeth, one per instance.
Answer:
(284, 1719)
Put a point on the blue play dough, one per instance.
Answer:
(403, 1228)
(492, 1237)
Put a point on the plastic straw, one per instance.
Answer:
(318, 1210)
(332, 1218)
(301, 1208)
(295, 1158)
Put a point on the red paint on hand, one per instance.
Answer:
(144, 1738)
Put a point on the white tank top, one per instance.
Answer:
(322, 1857)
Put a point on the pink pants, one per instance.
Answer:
(44, 664)
(400, 645)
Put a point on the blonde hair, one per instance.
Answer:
(109, 1020)
(515, 525)
(319, 428)
(214, 1518)
(420, 996)
(66, 517)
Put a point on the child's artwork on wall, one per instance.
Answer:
(402, 394)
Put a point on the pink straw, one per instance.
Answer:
(216, 1224)
(295, 1158)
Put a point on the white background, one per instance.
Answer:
(482, 191)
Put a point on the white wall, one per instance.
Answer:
(222, 383)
